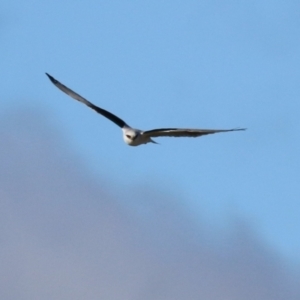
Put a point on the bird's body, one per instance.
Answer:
(136, 137)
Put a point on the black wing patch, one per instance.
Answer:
(79, 98)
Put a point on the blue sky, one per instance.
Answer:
(201, 64)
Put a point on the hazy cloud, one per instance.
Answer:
(67, 235)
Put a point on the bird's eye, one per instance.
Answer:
(128, 136)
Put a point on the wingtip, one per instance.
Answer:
(53, 80)
(239, 129)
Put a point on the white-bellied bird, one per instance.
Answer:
(136, 137)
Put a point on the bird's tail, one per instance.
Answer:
(154, 142)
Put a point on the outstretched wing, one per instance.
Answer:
(79, 98)
(181, 132)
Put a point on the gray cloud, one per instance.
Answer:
(66, 235)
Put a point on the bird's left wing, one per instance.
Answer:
(181, 132)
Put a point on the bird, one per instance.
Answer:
(136, 137)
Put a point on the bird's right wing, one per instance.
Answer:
(79, 98)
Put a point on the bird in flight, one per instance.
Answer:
(136, 137)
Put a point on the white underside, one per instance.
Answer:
(135, 137)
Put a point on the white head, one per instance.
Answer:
(131, 136)
(135, 137)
